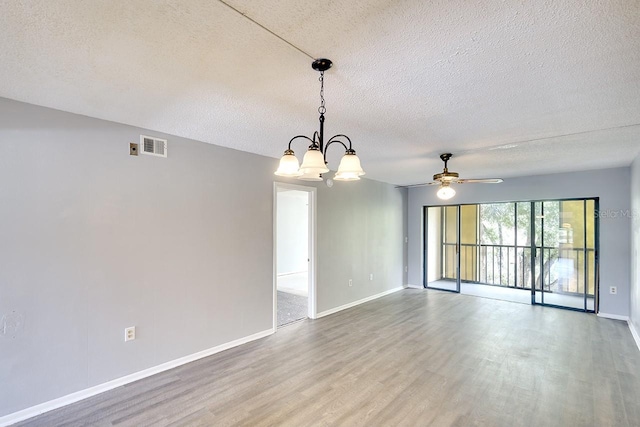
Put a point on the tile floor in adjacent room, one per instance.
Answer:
(293, 299)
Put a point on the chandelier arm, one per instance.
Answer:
(300, 136)
(333, 139)
(326, 147)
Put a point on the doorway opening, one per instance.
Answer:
(294, 272)
(534, 252)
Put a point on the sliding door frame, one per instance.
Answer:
(425, 244)
(533, 248)
(596, 250)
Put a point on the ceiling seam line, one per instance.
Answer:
(565, 135)
(266, 29)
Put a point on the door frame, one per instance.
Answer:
(312, 193)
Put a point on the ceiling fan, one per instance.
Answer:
(446, 178)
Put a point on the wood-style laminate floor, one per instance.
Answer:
(413, 358)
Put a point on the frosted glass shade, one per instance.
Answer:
(310, 176)
(445, 192)
(346, 176)
(349, 168)
(313, 162)
(289, 165)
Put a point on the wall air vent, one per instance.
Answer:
(153, 146)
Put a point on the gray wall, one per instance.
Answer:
(361, 230)
(612, 186)
(635, 245)
(94, 240)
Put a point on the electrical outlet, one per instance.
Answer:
(371, 276)
(406, 269)
(130, 333)
(613, 290)
(350, 282)
(406, 240)
(133, 149)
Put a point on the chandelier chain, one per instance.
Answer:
(321, 109)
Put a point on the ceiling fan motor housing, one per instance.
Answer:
(445, 176)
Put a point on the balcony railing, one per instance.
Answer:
(563, 269)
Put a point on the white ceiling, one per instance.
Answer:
(411, 79)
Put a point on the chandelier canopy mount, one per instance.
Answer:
(321, 64)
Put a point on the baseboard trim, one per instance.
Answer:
(410, 286)
(613, 316)
(360, 301)
(635, 334)
(41, 408)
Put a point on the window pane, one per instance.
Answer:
(497, 224)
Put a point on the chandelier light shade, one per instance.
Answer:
(349, 168)
(314, 162)
(310, 176)
(289, 165)
(445, 192)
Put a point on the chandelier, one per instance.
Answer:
(314, 162)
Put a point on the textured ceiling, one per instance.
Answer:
(560, 80)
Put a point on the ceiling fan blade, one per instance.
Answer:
(418, 185)
(479, 181)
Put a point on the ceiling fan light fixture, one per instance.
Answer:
(289, 165)
(446, 178)
(445, 192)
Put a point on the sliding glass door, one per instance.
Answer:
(503, 246)
(441, 249)
(565, 254)
(542, 252)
